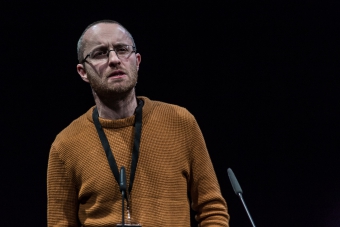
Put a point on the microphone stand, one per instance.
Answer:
(123, 209)
(245, 207)
(123, 197)
(128, 208)
(122, 187)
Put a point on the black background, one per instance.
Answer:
(261, 78)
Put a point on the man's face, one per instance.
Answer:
(114, 75)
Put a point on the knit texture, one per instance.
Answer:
(173, 163)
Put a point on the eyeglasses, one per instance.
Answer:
(102, 54)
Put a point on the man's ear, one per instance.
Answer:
(82, 72)
(138, 60)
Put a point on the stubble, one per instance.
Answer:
(112, 90)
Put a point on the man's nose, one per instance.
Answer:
(113, 57)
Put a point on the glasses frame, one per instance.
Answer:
(134, 50)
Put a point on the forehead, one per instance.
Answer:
(106, 34)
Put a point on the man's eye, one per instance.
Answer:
(121, 49)
(100, 53)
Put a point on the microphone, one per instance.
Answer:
(122, 179)
(236, 186)
(238, 191)
(124, 191)
(122, 188)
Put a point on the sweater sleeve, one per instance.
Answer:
(62, 207)
(207, 201)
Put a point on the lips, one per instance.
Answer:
(117, 73)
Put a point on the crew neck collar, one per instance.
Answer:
(124, 122)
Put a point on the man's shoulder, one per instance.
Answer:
(168, 110)
(75, 130)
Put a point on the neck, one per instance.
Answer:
(117, 107)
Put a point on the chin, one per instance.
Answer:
(114, 92)
(107, 90)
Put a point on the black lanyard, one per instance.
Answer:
(136, 143)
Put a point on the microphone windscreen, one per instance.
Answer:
(122, 180)
(234, 182)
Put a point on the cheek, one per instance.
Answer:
(92, 75)
(101, 69)
(95, 71)
(130, 66)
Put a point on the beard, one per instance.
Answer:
(106, 90)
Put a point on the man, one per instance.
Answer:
(160, 145)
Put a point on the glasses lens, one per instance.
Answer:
(123, 51)
(101, 55)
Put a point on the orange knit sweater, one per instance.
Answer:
(173, 163)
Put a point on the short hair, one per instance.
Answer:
(81, 45)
